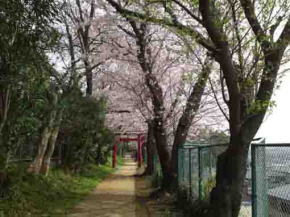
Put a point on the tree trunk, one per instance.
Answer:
(99, 155)
(89, 78)
(226, 197)
(164, 154)
(51, 146)
(42, 146)
(49, 152)
(157, 100)
(86, 16)
(4, 107)
(191, 108)
(36, 165)
(151, 149)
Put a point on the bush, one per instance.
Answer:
(83, 135)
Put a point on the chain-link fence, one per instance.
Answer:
(197, 169)
(266, 190)
(197, 173)
(271, 180)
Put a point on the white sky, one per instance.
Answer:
(276, 126)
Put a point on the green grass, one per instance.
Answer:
(54, 195)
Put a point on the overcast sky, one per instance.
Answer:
(276, 126)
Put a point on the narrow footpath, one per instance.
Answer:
(122, 194)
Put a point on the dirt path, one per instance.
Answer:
(119, 195)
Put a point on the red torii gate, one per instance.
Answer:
(140, 139)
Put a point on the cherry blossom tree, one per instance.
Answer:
(248, 40)
(87, 28)
(147, 52)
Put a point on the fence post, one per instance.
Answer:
(189, 168)
(254, 190)
(199, 174)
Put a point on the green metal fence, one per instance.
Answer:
(266, 190)
(188, 170)
(157, 171)
(197, 168)
(197, 173)
(271, 180)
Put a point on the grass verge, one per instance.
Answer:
(54, 195)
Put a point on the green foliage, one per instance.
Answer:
(27, 82)
(261, 106)
(25, 116)
(120, 160)
(156, 180)
(26, 32)
(84, 137)
(207, 187)
(50, 196)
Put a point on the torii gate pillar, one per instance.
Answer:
(140, 141)
(115, 150)
(139, 151)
